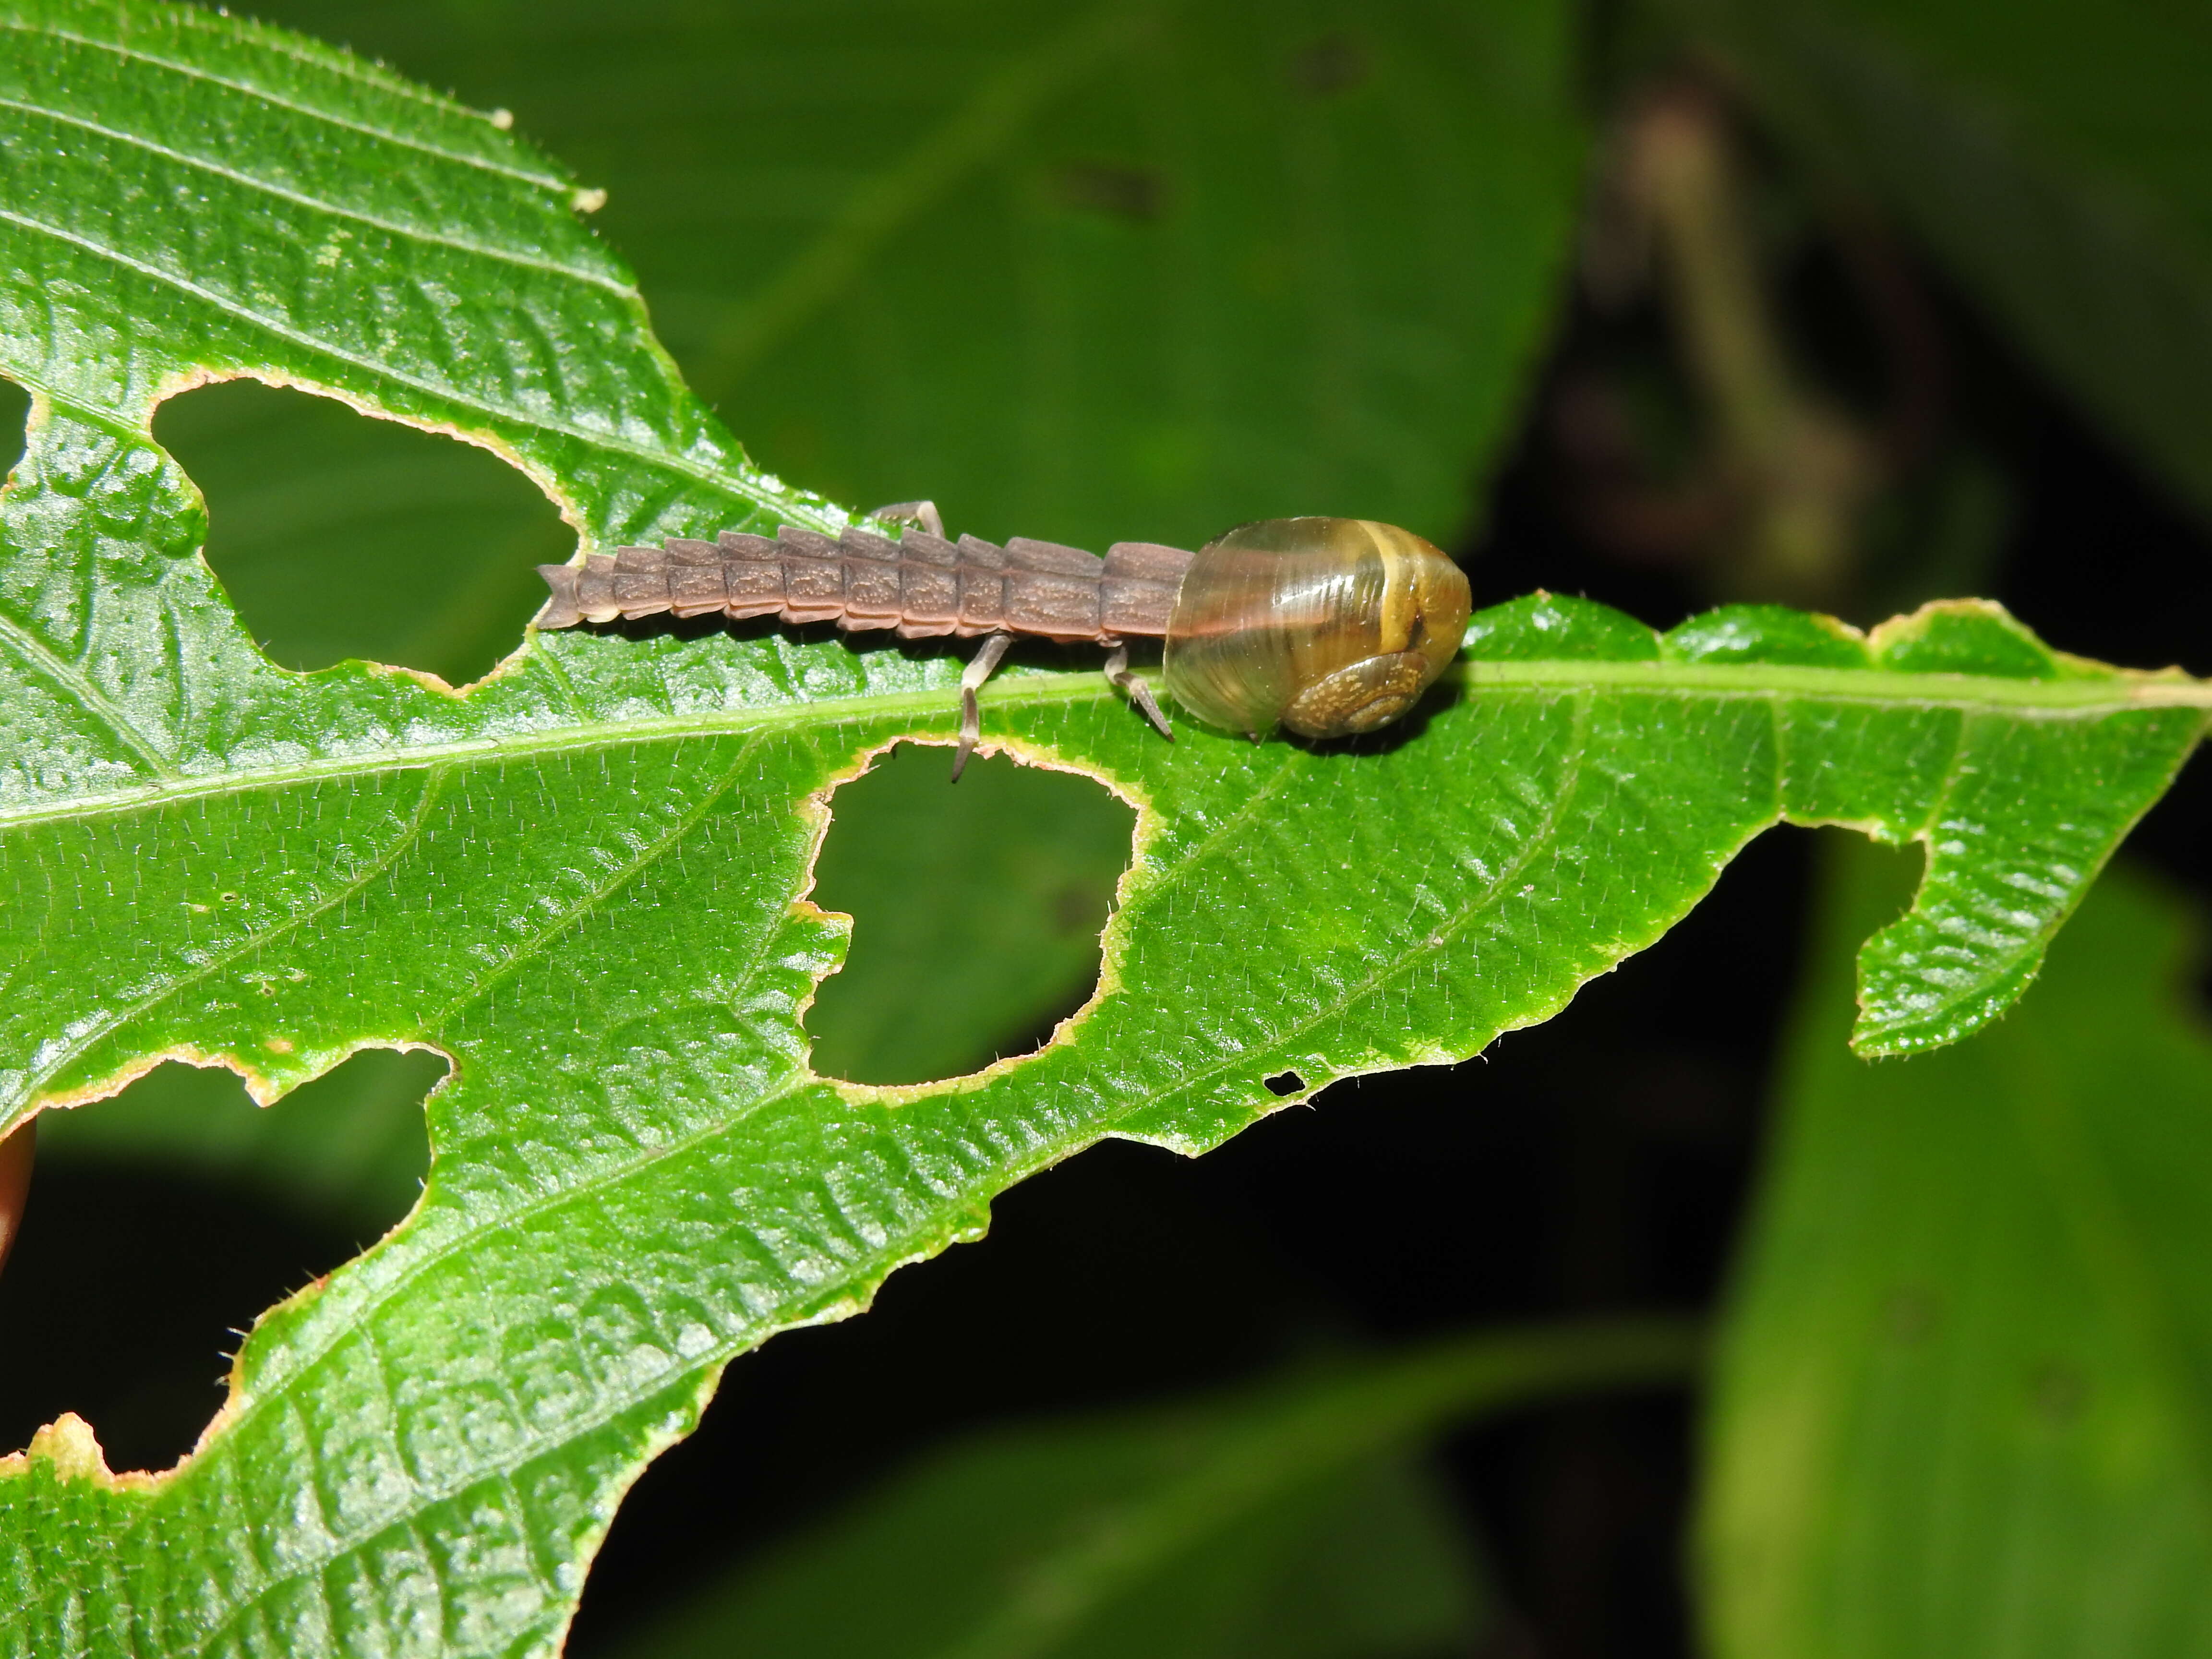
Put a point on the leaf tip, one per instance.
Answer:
(1900, 1014)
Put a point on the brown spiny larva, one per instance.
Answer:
(1327, 626)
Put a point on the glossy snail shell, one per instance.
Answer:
(1327, 626)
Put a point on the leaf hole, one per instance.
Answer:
(1284, 1083)
(163, 1221)
(337, 535)
(15, 423)
(976, 910)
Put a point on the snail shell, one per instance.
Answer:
(1330, 627)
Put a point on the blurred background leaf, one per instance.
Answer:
(1283, 1520)
(1964, 1403)
(338, 536)
(1368, 1563)
(2056, 157)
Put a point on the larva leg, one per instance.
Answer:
(923, 514)
(971, 716)
(1118, 672)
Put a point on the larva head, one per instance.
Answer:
(1328, 626)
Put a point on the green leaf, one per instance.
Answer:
(2057, 160)
(1280, 1521)
(583, 880)
(1962, 1399)
(1123, 268)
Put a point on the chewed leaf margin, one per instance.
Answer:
(2018, 805)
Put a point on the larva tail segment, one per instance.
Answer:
(559, 610)
(920, 585)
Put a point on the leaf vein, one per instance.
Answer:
(119, 726)
(620, 1168)
(746, 488)
(595, 901)
(131, 54)
(1542, 840)
(1167, 880)
(607, 1404)
(406, 838)
(337, 210)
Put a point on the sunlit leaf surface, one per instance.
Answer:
(583, 881)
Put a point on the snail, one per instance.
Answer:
(1330, 627)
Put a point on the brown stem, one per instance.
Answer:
(1797, 468)
(16, 1153)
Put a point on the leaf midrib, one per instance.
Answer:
(278, 100)
(2038, 700)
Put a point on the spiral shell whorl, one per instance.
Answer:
(1330, 626)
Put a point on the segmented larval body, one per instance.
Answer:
(919, 587)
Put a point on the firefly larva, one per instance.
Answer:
(1327, 626)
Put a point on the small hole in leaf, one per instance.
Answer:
(976, 909)
(162, 1222)
(337, 535)
(1285, 1083)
